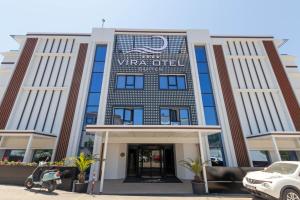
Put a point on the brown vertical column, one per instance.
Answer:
(284, 83)
(233, 118)
(64, 136)
(16, 80)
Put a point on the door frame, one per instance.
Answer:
(139, 148)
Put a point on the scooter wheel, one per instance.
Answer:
(29, 183)
(51, 187)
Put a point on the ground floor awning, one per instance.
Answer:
(106, 134)
(153, 133)
(27, 140)
(275, 141)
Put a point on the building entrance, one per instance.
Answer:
(150, 161)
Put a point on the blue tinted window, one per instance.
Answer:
(93, 99)
(96, 82)
(202, 68)
(138, 117)
(208, 100)
(178, 116)
(163, 82)
(139, 82)
(129, 116)
(200, 54)
(184, 116)
(130, 82)
(92, 109)
(210, 116)
(100, 53)
(205, 83)
(98, 67)
(121, 81)
(165, 116)
(172, 82)
(91, 115)
(181, 82)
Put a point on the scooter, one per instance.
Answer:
(41, 177)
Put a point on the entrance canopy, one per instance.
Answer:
(152, 133)
(26, 140)
(275, 141)
(147, 134)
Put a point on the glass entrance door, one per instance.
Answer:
(150, 160)
(151, 163)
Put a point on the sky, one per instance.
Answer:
(279, 18)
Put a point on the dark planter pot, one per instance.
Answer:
(81, 187)
(198, 187)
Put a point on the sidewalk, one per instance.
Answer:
(20, 193)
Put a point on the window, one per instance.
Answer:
(13, 155)
(217, 155)
(128, 116)
(93, 100)
(209, 107)
(172, 82)
(91, 115)
(260, 158)
(289, 155)
(210, 114)
(174, 116)
(216, 150)
(130, 82)
(42, 155)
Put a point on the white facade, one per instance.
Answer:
(41, 102)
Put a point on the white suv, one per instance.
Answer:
(281, 180)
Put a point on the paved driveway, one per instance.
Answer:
(20, 193)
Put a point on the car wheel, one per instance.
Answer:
(29, 183)
(290, 194)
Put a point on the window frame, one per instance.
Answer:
(134, 81)
(206, 84)
(178, 114)
(132, 108)
(168, 81)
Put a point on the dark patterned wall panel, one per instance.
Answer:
(67, 123)
(234, 122)
(16, 81)
(284, 83)
(151, 98)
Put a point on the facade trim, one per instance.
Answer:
(67, 123)
(284, 83)
(16, 81)
(234, 122)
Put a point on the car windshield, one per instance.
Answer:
(282, 168)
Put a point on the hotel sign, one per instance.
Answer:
(149, 56)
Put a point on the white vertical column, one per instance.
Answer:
(103, 162)
(1, 141)
(95, 169)
(202, 151)
(207, 149)
(27, 156)
(276, 148)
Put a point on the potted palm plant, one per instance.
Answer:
(196, 167)
(82, 162)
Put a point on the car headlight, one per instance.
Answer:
(266, 184)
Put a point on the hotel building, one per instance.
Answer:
(142, 100)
